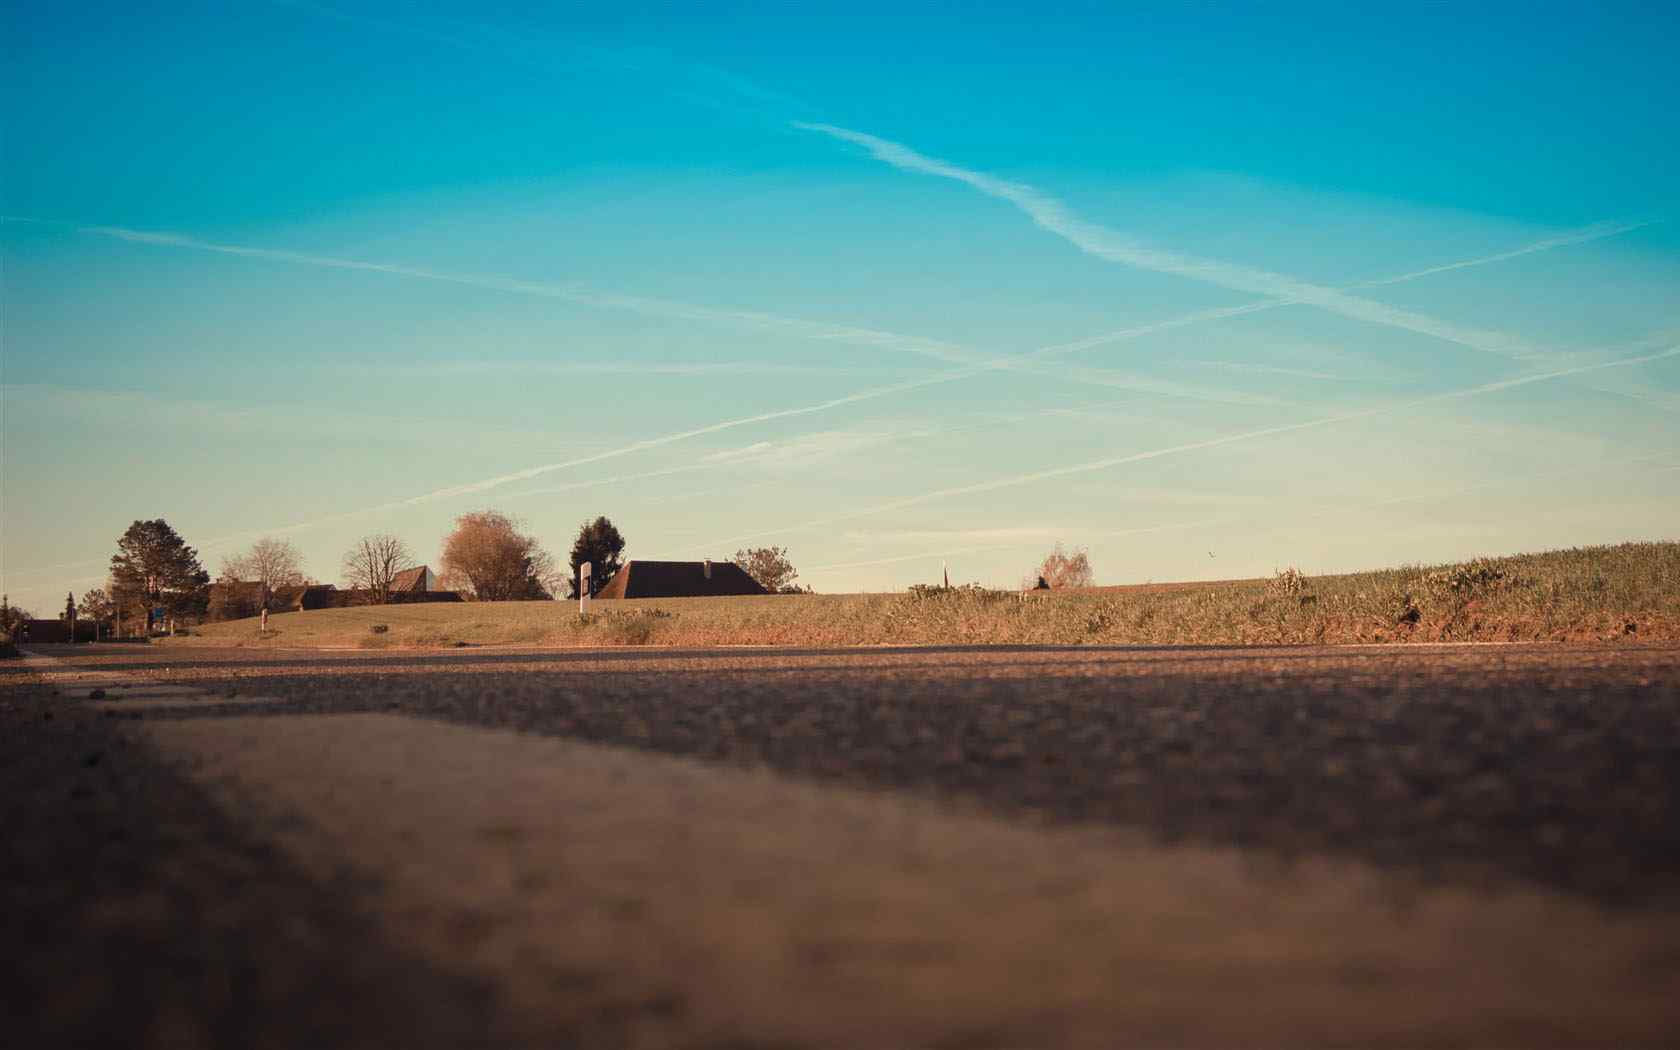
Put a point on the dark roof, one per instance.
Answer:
(409, 579)
(678, 579)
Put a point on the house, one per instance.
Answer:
(237, 599)
(52, 631)
(418, 580)
(679, 579)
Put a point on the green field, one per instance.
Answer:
(1631, 591)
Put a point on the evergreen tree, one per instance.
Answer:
(10, 616)
(153, 565)
(599, 543)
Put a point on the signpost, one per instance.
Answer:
(583, 589)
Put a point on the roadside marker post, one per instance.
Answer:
(583, 589)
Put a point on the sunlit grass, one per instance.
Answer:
(1631, 591)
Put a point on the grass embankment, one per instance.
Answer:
(1591, 593)
(1631, 591)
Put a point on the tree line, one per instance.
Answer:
(487, 556)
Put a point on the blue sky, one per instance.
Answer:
(1207, 291)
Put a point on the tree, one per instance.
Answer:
(599, 543)
(154, 566)
(1062, 569)
(270, 563)
(770, 567)
(11, 616)
(96, 606)
(490, 558)
(374, 562)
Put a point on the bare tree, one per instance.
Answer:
(1063, 569)
(272, 563)
(488, 556)
(770, 567)
(374, 562)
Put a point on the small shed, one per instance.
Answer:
(679, 579)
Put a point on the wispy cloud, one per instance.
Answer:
(805, 329)
(972, 363)
(810, 450)
(1102, 242)
(1195, 446)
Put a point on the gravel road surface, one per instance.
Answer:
(949, 846)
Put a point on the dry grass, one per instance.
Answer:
(1627, 591)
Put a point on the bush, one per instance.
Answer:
(629, 626)
(1471, 578)
(379, 628)
(1288, 583)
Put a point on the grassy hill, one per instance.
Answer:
(1630, 591)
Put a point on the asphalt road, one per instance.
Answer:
(1454, 845)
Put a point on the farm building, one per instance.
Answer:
(679, 579)
(418, 580)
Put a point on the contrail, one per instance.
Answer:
(1194, 446)
(1597, 231)
(736, 460)
(1053, 216)
(896, 342)
(974, 364)
(804, 329)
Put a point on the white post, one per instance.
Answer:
(583, 589)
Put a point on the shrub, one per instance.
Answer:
(1288, 583)
(631, 626)
(379, 628)
(1472, 577)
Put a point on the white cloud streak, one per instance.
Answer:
(1100, 241)
(1597, 231)
(895, 342)
(804, 329)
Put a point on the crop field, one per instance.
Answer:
(1630, 591)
